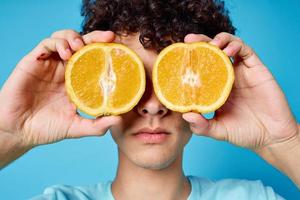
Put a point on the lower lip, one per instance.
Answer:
(152, 138)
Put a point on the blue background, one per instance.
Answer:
(271, 27)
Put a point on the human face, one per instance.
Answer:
(135, 136)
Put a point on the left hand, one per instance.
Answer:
(256, 114)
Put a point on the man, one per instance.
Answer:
(35, 109)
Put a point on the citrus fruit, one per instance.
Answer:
(192, 77)
(105, 79)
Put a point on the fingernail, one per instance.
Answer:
(227, 52)
(185, 118)
(188, 37)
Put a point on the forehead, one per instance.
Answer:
(148, 56)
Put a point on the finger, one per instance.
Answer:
(82, 127)
(222, 39)
(74, 39)
(189, 38)
(52, 45)
(236, 47)
(201, 126)
(233, 48)
(98, 36)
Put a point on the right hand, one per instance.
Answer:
(35, 108)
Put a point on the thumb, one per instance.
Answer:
(82, 127)
(205, 127)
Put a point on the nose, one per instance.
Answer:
(152, 107)
(149, 105)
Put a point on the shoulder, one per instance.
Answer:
(232, 189)
(65, 192)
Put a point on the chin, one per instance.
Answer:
(154, 159)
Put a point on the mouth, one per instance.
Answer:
(151, 136)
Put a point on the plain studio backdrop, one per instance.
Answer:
(272, 28)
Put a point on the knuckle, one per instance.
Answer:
(56, 41)
(57, 33)
(93, 33)
(224, 36)
(63, 42)
(45, 41)
(239, 39)
(203, 37)
(235, 43)
(197, 37)
(71, 32)
(64, 33)
(249, 50)
(54, 34)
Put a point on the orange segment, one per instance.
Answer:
(88, 65)
(126, 74)
(192, 77)
(105, 79)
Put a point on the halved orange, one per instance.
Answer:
(105, 79)
(192, 77)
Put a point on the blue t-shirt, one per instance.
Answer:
(227, 189)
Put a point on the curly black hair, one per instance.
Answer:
(159, 22)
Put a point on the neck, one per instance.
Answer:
(137, 183)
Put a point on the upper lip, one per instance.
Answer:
(152, 131)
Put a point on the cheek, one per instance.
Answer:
(183, 138)
(182, 128)
(115, 132)
(127, 122)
